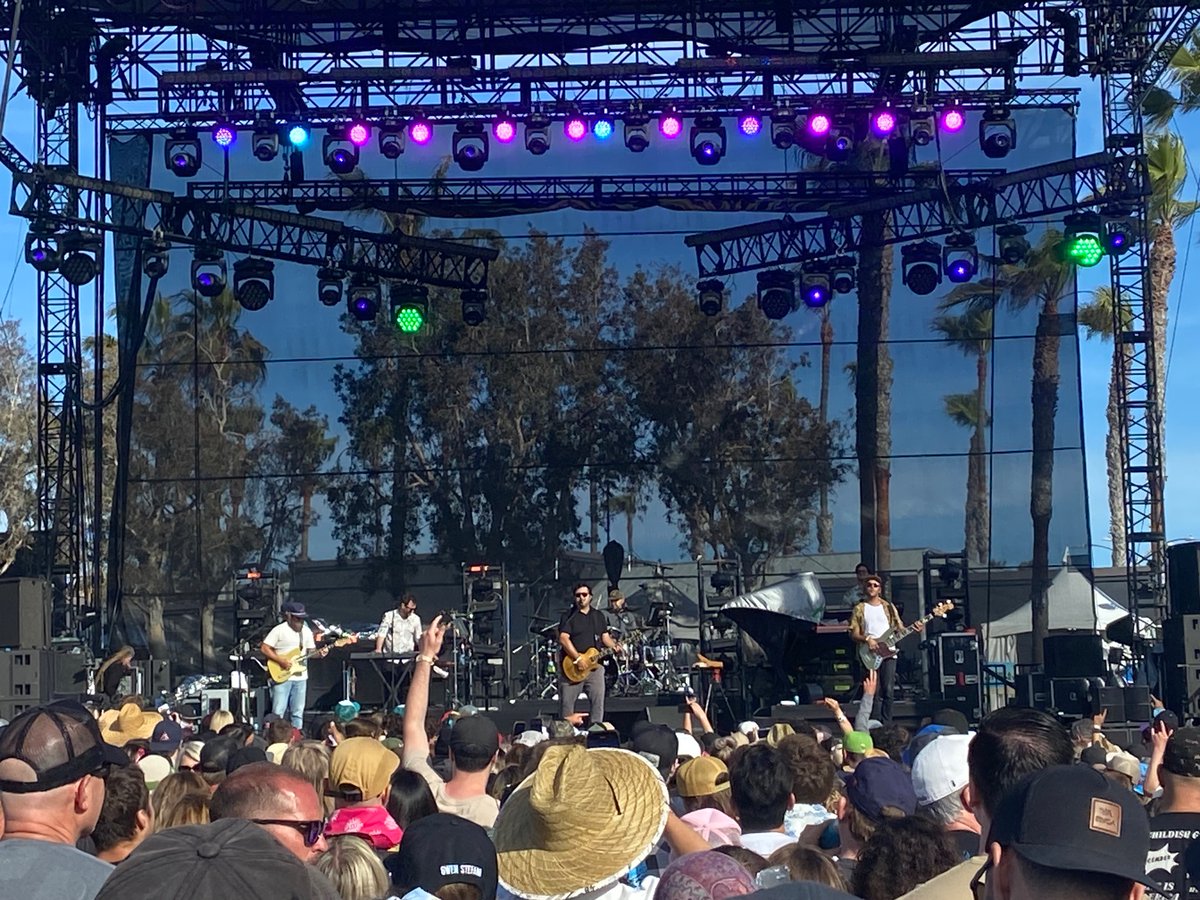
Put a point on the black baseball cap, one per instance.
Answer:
(442, 849)
(295, 608)
(477, 735)
(1075, 819)
(656, 740)
(1182, 755)
(59, 743)
(215, 755)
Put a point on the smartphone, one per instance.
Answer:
(519, 727)
(605, 740)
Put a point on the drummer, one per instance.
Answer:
(621, 619)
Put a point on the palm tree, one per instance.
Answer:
(627, 506)
(971, 333)
(1042, 280)
(1097, 318)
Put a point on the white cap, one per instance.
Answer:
(940, 769)
(688, 745)
(154, 769)
(748, 727)
(530, 738)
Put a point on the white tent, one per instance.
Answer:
(1074, 603)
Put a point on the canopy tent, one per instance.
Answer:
(1002, 601)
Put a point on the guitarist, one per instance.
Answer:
(583, 628)
(870, 618)
(288, 636)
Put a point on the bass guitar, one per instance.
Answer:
(299, 659)
(887, 642)
(589, 660)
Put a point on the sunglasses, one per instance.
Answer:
(195, 768)
(584, 594)
(311, 829)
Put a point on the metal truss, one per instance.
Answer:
(963, 206)
(803, 191)
(242, 227)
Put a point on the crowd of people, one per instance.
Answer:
(128, 803)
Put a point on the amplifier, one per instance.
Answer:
(1075, 655)
(1110, 698)
(1181, 662)
(1070, 696)
(1032, 690)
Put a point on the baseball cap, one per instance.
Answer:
(1073, 818)
(857, 742)
(1094, 755)
(57, 744)
(748, 727)
(880, 782)
(687, 745)
(701, 777)
(951, 718)
(215, 755)
(658, 741)
(167, 737)
(228, 858)
(244, 756)
(941, 768)
(442, 849)
(295, 608)
(476, 735)
(616, 594)
(361, 765)
(1182, 756)
(1127, 765)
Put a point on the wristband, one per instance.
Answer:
(421, 657)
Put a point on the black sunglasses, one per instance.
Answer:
(311, 829)
(585, 594)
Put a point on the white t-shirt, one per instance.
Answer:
(400, 634)
(764, 843)
(875, 619)
(283, 639)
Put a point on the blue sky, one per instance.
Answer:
(655, 539)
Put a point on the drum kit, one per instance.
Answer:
(645, 665)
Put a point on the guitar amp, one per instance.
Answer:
(960, 677)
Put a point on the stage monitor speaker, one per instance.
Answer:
(1102, 697)
(1137, 703)
(70, 674)
(1074, 655)
(1183, 578)
(624, 720)
(24, 613)
(1032, 690)
(1181, 662)
(1070, 695)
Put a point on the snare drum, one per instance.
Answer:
(613, 670)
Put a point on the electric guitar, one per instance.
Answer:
(888, 641)
(589, 660)
(299, 659)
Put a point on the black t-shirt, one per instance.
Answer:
(1170, 836)
(112, 679)
(584, 629)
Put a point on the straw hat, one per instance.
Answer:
(579, 822)
(132, 723)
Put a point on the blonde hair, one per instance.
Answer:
(126, 652)
(808, 864)
(351, 864)
(180, 799)
(219, 719)
(310, 759)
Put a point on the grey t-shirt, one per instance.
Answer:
(41, 870)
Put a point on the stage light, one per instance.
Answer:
(41, 248)
(997, 133)
(603, 128)
(708, 140)
(537, 135)
(636, 132)
(410, 307)
(208, 272)
(710, 297)
(750, 124)
(156, 257)
(253, 282)
(79, 256)
(783, 128)
(952, 119)
(960, 259)
(359, 133)
(819, 123)
(670, 125)
(815, 290)
(339, 152)
(839, 145)
(922, 266)
(420, 131)
(922, 126)
(470, 146)
(329, 285)
(884, 121)
(1011, 243)
(575, 128)
(362, 299)
(224, 135)
(842, 274)
(182, 153)
(1119, 236)
(1083, 242)
(265, 141)
(474, 307)
(504, 130)
(391, 139)
(776, 293)
(297, 135)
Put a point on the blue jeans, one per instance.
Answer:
(290, 696)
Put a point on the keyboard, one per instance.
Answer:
(385, 657)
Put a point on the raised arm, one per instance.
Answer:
(416, 705)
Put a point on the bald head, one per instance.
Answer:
(261, 791)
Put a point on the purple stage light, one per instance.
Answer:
(819, 124)
(953, 120)
(420, 131)
(883, 122)
(750, 124)
(224, 136)
(575, 128)
(505, 130)
(670, 125)
(359, 133)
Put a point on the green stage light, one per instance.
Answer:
(410, 317)
(1083, 239)
(1085, 250)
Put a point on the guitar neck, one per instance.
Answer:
(905, 632)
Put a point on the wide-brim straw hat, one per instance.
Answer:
(579, 822)
(131, 723)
